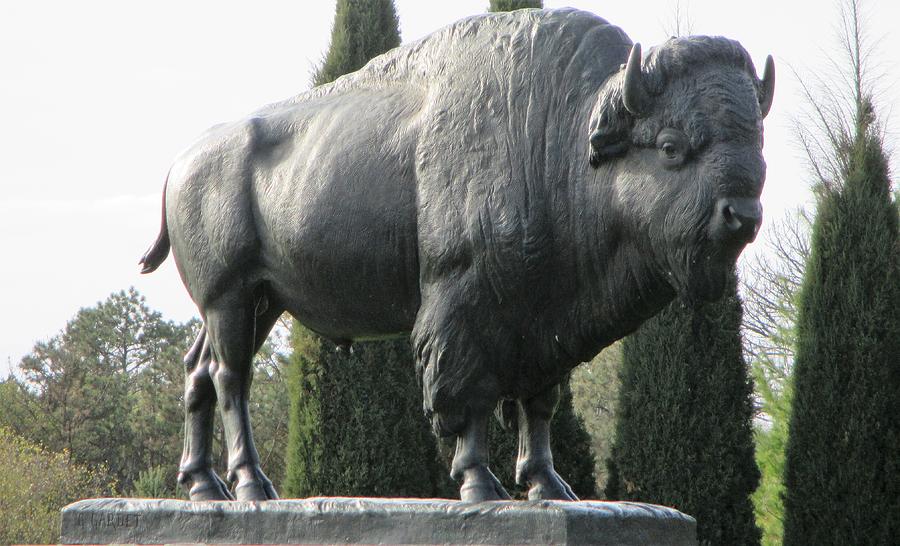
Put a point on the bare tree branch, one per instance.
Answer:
(680, 23)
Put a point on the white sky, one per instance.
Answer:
(98, 97)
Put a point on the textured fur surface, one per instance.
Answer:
(445, 190)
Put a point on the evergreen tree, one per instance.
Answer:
(362, 29)
(357, 426)
(107, 389)
(510, 5)
(684, 436)
(842, 474)
(595, 395)
(570, 443)
(305, 454)
(842, 469)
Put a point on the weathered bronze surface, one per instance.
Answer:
(374, 521)
(515, 191)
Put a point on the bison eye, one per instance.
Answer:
(670, 150)
(673, 147)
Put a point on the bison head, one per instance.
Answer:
(680, 138)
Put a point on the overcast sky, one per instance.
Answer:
(98, 97)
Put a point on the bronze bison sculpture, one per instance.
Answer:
(515, 192)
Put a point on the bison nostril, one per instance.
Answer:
(738, 217)
(731, 218)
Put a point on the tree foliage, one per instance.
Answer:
(108, 391)
(845, 429)
(362, 29)
(842, 472)
(570, 443)
(357, 427)
(152, 484)
(106, 388)
(684, 436)
(595, 399)
(771, 287)
(510, 5)
(35, 483)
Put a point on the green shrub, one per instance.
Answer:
(35, 484)
(151, 484)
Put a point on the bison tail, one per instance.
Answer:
(159, 250)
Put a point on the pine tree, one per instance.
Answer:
(684, 436)
(107, 389)
(357, 426)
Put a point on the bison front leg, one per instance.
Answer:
(470, 463)
(458, 383)
(534, 466)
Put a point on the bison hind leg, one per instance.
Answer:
(195, 472)
(237, 324)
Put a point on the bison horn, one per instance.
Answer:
(637, 100)
(768, 87)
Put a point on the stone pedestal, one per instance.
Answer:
(374, 521)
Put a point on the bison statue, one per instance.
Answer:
(514, 192)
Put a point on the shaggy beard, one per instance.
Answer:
(699, 268)
(700, 274)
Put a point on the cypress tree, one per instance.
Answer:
(356, 425)
(362, 29)
(842, 470)
(510, 5)
(569, 439)
(571, 443)
(684, 436)
(306, 453)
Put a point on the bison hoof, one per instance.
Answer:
(480, 484)
(548, 485)
(205, 485)
(252, 484)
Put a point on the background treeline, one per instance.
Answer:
(97, 410)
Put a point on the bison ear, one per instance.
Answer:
(606, 144)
